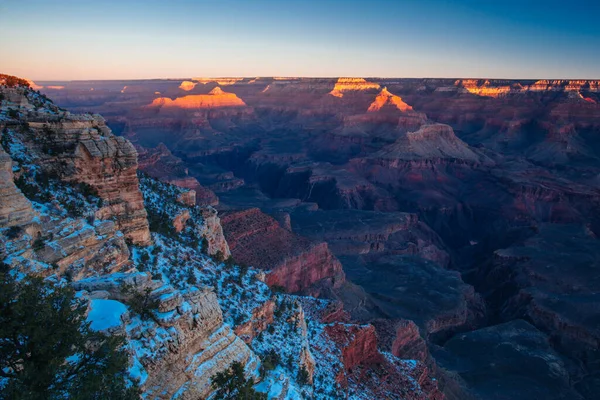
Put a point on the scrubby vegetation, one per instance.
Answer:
(232, 384)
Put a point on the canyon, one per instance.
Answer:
(436, 238)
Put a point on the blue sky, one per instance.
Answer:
(81, 39)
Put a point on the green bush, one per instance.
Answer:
(141, 303)
(38, 244)
(303, 376)
(233, 385)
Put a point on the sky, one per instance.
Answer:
(140, 39)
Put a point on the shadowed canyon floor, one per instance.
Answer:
(469, 207)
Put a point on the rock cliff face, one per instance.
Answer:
(212, 231)
(188, 343)
(351, 84)
(82, 149)
(15, 209)
(293, 262)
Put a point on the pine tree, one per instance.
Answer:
(48, 351)
(232, 384)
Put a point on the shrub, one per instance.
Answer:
(144, 257)
(141, 303)
(269, 361)
(38, 244)
(191, 278)
(204, 245)
(229, 262)
(12, 113)
(277, 289)
(303, 376)
(218, 257)
(157, 276)
(232, 384)
(13, 232)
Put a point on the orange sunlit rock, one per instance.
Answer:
(214, 99)
(33, 85)
(475, 86)
(352, 84)
(386, 98)
(56, 87)
(187, 85)
(219, 81)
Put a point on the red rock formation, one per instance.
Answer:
(358, 344)
(294, 262)
(261, 318)
(365, 368)
(187, 85)
(352, 84)
(385, 98)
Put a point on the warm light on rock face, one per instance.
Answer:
(214, 99)
(33, 85)
(57, 87)
(187, 85)
(219, 81)
(387, 98)
(474, 86)
(494, 89)
(352, 84)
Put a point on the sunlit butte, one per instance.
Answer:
(214, 99)
(74, 40)
(386, 98)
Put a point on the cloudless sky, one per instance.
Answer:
(130, 39)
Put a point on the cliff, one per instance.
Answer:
(351, 84)
(82, 149)
(15, 209)
(293, 262)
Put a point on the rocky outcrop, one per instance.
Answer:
(351, 84)
(361, 358)
(433, 141)
(212, 231)
(81, 148)
(15, 209)
(181, 220)
(516, 354)
(549, 280)
(358, 344)
(261, 318)
(214, 99)
(294, 262)
(184, 346)
(187, 85)
(385, 98)
(407, 287)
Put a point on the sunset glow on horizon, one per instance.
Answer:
(76, 40)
